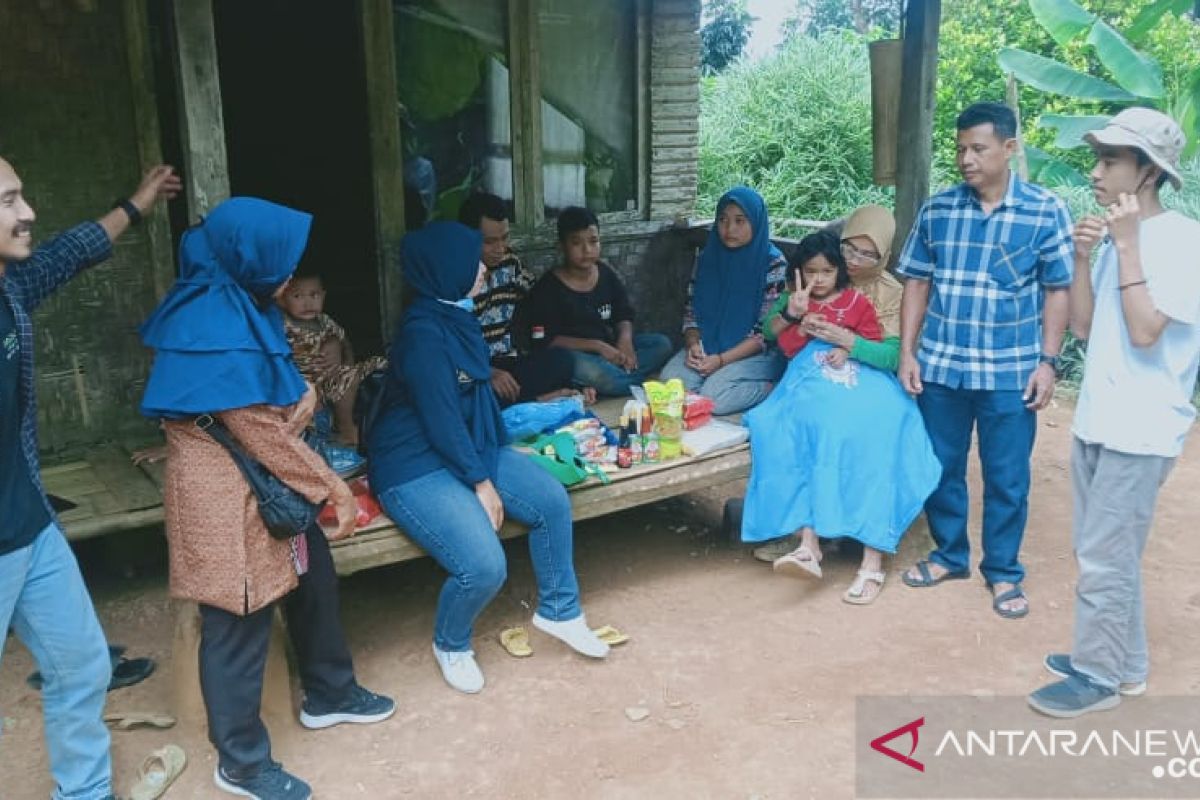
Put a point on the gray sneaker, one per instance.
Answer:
(1060, 664)
(272, 783)
(1073, 697)
(360, 707)
(776, 548)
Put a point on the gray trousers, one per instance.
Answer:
(1114, 497)
(735, 387)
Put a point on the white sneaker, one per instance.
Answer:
(460, 670)
(575, 632)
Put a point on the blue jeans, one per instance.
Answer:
(653, 350)
(441, 514)
(1006, 433)
(43, 597)
(735, 387)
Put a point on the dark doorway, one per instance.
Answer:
(295, 104)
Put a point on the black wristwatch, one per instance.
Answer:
(126, 205)
(1053, 361)
(783, 312)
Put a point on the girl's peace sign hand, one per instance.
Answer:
(798, 301)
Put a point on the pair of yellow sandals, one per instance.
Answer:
(516, 640)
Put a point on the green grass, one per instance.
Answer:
(796, 127)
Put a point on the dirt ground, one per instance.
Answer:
(749, 678)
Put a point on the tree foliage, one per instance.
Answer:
(815, 17)
(974, 32)
(724, 34)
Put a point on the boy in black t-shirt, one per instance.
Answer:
(582, 306)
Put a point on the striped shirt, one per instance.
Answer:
(507, 285)
(989, 273)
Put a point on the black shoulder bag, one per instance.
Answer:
(369, 405)
(284, 511)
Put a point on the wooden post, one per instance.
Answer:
(525, 82)
(206, 165)
(1012, 96)
(387, 158)
(149, 142)
(917, 85)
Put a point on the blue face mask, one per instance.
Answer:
(466, 304)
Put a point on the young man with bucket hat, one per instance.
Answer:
(1139, 309)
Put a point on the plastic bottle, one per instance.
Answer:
(624, 452)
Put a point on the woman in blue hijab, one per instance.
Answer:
(440, 468)
(220, 349)
(738, 276)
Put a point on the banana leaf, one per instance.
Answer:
(1071, 128)
(1051, 76)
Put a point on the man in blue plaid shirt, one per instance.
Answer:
(987, 267)
(42, 594)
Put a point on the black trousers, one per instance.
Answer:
(233, 657)
(540, 372)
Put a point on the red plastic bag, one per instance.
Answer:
(368, 506)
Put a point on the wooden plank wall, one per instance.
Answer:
(69, 127)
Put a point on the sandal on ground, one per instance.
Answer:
(128, 720)
(857, 594)
(927, 578)
(800, 562)
(1015, 593)
(158, 772)
(516, 641)
(610, 635)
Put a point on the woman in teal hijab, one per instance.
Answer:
(738, 276)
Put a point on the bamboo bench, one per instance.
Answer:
(111, 494)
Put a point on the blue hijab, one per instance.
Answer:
(728, 293)
(441, 262)
(218, 335)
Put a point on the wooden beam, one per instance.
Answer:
(642, 79)
(206, 164)
(917, 84)
(525, 81)
(149, 141)
(387, 158)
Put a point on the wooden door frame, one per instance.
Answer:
(386, 156)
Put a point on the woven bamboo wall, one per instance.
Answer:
(67, 125)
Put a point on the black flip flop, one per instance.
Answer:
(1012, 594)
(926, 580)
(125, 671)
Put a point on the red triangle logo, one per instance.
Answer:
(880, 745)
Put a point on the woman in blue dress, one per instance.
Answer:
(838, 449)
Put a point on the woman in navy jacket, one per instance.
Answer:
(440, 468)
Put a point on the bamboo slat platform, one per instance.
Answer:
(109, 492)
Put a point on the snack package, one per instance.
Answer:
(666, 403)
(697, 411)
